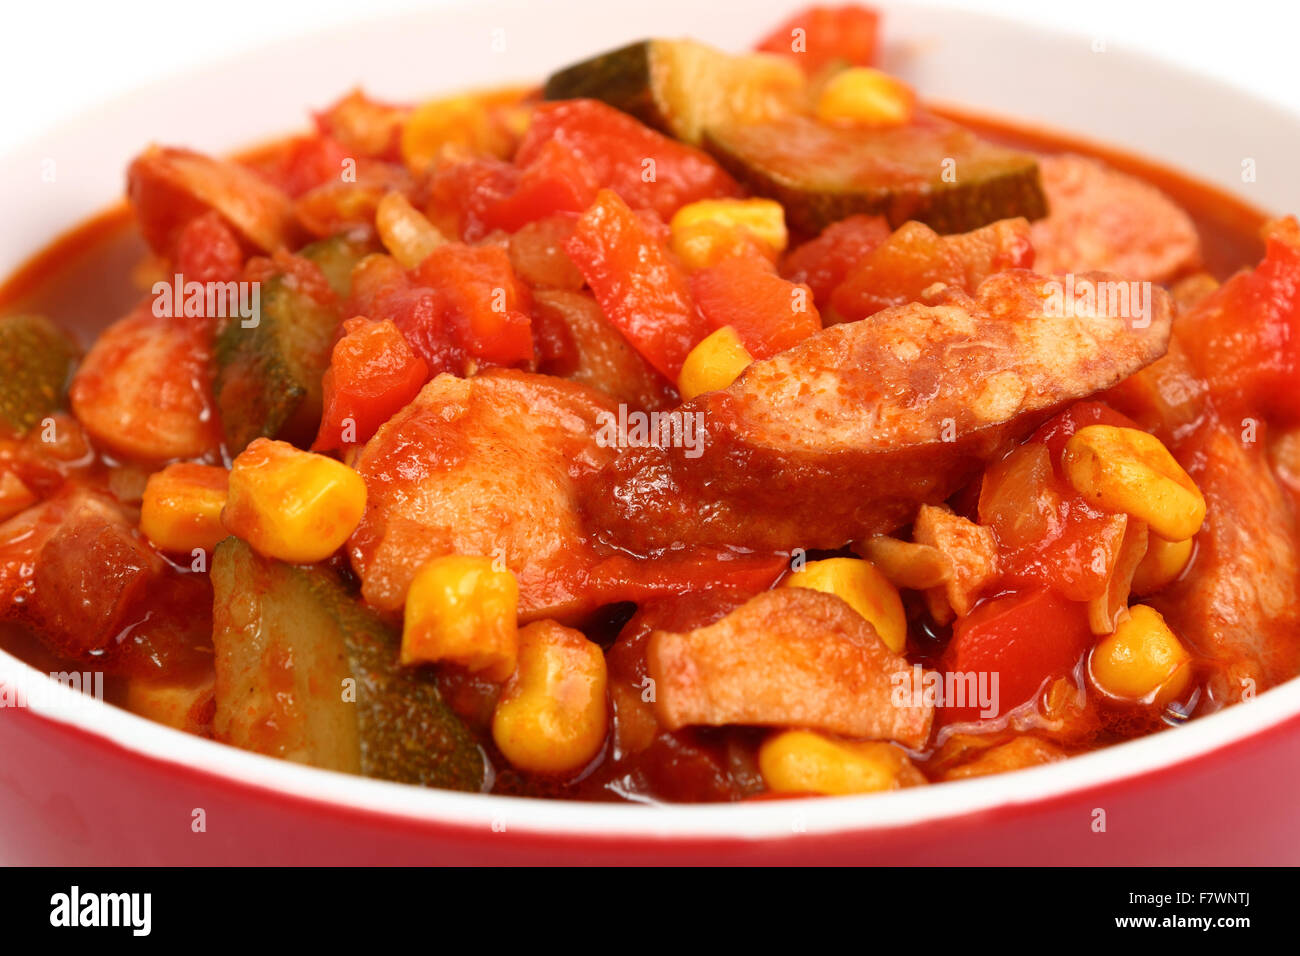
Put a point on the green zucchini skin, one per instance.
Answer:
(896, 173)
(623, 78)
(36, 363)
(268, 378)
(288, 641)
(818, 172)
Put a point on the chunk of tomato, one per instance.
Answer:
(819, 36)
(647, 169)
(373, 373)
(769, 313)
(1244, 338)
(640, 285)
(823, 263)
(1026, 639)
(481, 301)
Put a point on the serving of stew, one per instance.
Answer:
(692, 427)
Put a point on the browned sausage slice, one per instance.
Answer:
(168, 187)
(484, 466)
(1239, 603)
(1102, 219)
(788, 658)
(844, 435)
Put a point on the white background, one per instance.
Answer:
(60, 56)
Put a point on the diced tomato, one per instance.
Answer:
(819, 36)
(1026, 639)
(1245, 337)
(625, 578)
(1047, 533)
(1055, 432)
(462, 302)
(823, 263)
(308, 162)
(461, 193)
(769, 313)
(305, 276)
(208, 251)
(915, 257)
(381, 289)
(373, 373)
(483, 303)
(640, 286)
(555, 180)
(647, 169)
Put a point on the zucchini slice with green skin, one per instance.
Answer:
(336, 257)
(268, 379)
(681, 87)
(305, 672)
(934, 172)
(36, 362)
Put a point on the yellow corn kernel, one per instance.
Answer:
(713, 364)
(290, 504)
(866, 96)
(14, 495)
(704, 232)
(800, 761)
(462, 609)
(1130, 471)
(861, 585)
(1163, 562)
(1142, 659)
(462, 124)
(552, 716)
(404, 230)
(181, 507)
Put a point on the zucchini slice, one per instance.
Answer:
(307, 673)
(934, 172)
(681, 87)
(268, 379)
(36, 363)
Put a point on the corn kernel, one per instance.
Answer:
(1130, 471)
(14, 495)
(713, 364)
(1142, 659)
(462, 124)
(1163, 562)
(866, 96)
(404, 230)
(181, 507)
(800, 761)
(462, 609)
(552, 715)
(707, 231)
(290, 504)
(861, 585)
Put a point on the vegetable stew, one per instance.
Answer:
(694, 426)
